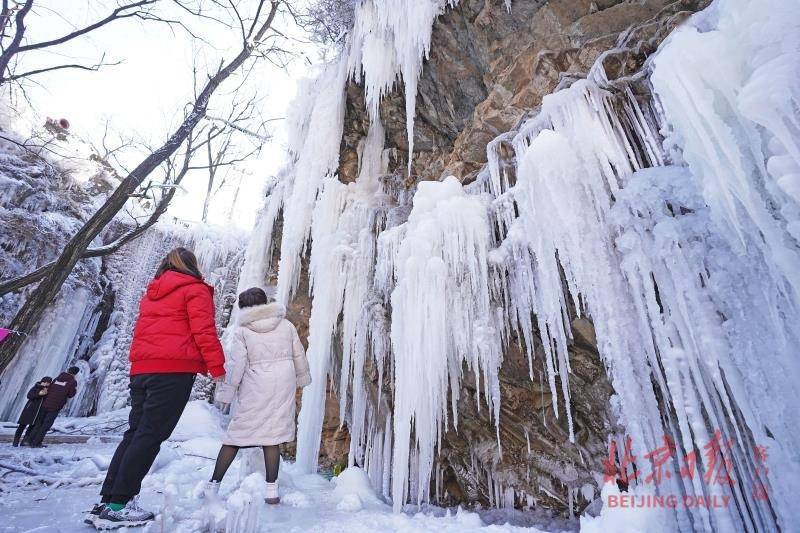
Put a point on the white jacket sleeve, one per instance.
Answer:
(235, 366)
(301, 369)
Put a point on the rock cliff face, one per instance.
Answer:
(488, 70)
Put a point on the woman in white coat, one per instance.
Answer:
(265, 365)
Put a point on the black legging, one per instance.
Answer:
(272, 460)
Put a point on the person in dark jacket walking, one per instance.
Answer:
(32, 410)
(174, 339)
(61, 389)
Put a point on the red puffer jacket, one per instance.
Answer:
(175, 331)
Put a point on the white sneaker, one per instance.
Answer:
(272, 493)
(129, 516)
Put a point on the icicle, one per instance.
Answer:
(315, 135)
(341, 273)
(735, 105)
(441, 317)
(327, 260)
(392, 38)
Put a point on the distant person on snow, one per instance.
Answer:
(61, 389)
(32, 411)
(174, 339)
(266, 364)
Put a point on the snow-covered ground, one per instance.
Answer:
(56, 485)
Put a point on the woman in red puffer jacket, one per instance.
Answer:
(175, 338)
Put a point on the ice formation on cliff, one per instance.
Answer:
(44, 198)
(673, 225)
(442, 317)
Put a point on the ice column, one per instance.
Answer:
(392, 38)
(442, 317)
(346, 222)
(315, 133)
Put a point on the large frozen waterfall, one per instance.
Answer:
(672, 224)
(94, 331)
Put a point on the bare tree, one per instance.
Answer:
(13, 32)
(232, 139)
(254, 32)
(159, 195)
(328, 20)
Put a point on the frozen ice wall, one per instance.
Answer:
(687, 270)
(674, 306)
(94, 331)
(672, 223)
(44, 198)
(54, 344)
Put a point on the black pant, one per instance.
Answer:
(43, 424)
(21, 430)
(157, 402)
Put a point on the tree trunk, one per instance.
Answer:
(33, 308)
(102, 251)
(13, 46)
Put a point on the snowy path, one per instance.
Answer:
(71, 475)
(61, 439)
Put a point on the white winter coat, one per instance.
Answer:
(264, 366)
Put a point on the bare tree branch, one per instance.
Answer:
(125, 11)
(11, 50)
(238, 18)
(48, 288)
(95, 67)
(108, 249)
(237, 127)
(199, 13)
(139, 9)
(255, 19)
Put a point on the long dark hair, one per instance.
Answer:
(180, 260)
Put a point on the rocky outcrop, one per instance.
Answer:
(488, 70)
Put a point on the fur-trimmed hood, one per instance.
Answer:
(262, 318)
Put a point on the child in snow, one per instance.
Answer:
(174, 339)
(266, 364)
(32, 411)
(61, 389)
